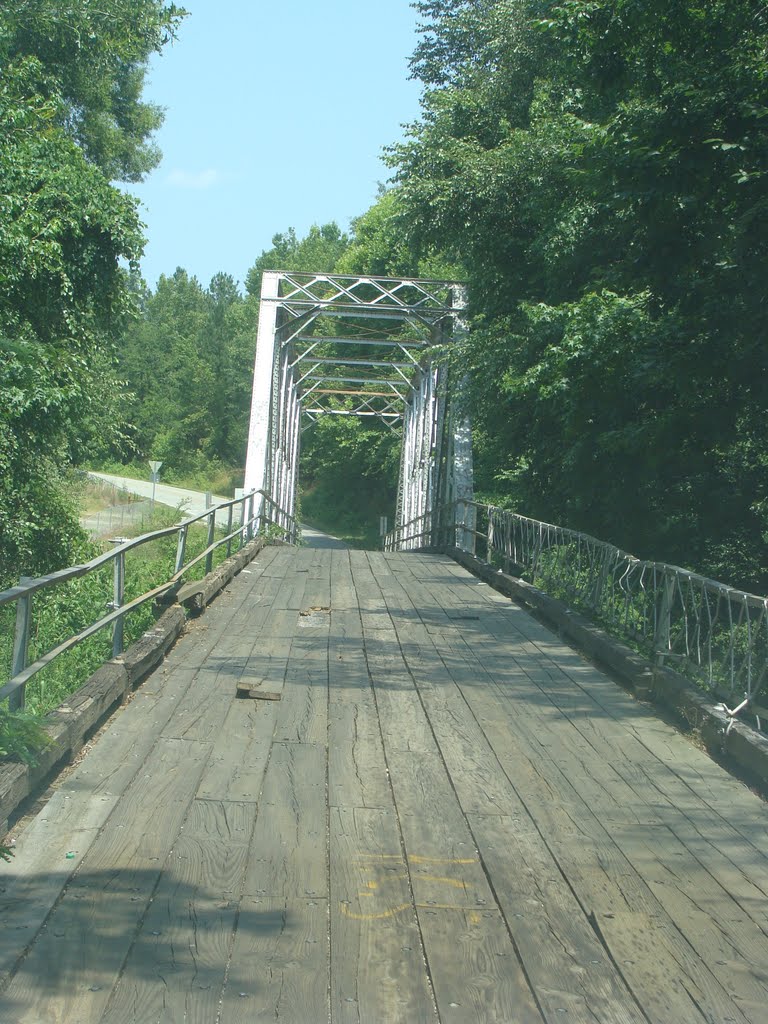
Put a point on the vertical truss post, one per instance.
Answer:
(258, 452)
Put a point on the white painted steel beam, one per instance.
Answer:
(436, 460)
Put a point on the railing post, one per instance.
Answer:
(242, 522)
(249, 531)
(118, 599)
(211, 538)
(459, 516)
(663, 623)
(230, 512)
(181, 549)
(21, 645)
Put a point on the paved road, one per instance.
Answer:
(315, 539)
(442, 815)
(191, 502)
(194, 502)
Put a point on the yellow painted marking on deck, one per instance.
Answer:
(474, 916)
(417, 859)
(374, 917)
(456, 883)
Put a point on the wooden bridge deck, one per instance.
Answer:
(448, 816)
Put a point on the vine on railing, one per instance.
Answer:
(256, 511)
(712, 633)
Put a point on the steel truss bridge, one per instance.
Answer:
(374, 347)
(367, 786)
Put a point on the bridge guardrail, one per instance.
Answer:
(711, 632)
(257, 510)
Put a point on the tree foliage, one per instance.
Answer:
(187, 363)
(63, 231)
(95, 61)
(599, 170)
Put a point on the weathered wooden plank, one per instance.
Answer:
(289, 856)
(279, 965)
(291, 595)
(464, 934)
(201, 711)
(639, 782)
(303, 714)
(266, 665)
(733, 946)
(46, 855)
(235, 769)
(560, 951)
(403, 722)
(377, 961)
(177, 965)
(473, 963)
(74, 964)
(357, 770)
(650, 964)
(227, 664)
(474, 967)
(573, 775)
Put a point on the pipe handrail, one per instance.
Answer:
(253, 513)
(714, 632)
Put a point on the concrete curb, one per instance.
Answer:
(743, 745)
(70, 726)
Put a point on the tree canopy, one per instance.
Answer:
(596, 170)
(70, 119)
(599, 170)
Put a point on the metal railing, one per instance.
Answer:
(257, 513)
(712, 633)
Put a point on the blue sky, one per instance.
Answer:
(276, 115)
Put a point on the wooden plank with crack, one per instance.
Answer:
(289, 852)
(177, 964)
(235, 769)
(377, 960)
(75, 962)
(604, 881)
(279, 965)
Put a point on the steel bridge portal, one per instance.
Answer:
(339, 345)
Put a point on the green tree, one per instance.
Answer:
(63, 232)
(317, 252)
(599, 169)
(188, 363)
(95, 61)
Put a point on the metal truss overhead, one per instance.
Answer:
(380, 361)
